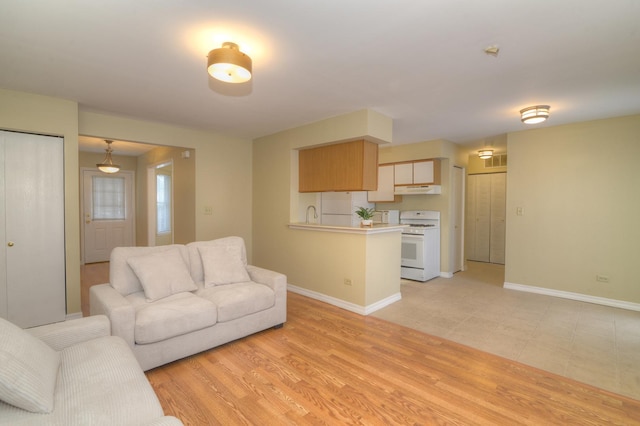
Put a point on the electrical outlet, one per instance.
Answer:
(602, 278)
(347, 281)
(208, 210)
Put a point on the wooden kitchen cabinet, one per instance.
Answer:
(348, 166)
(386, 185)
(421, 172)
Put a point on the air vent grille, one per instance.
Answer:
(499, 160)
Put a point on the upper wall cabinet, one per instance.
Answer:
(422, 172)
(348, 166)
(386, 188)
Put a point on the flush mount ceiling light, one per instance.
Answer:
(107, 165)
(535, 114)
(229, 64)
(485, 153)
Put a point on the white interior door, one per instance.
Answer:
(483, 217)
(108, 213)
(486, 218)
(34, 250)
(498, 217)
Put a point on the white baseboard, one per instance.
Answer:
(446, 274)
(358, 309)
(574, 296)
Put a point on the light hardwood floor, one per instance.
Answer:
(330, 366)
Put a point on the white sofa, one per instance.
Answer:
(169, 302)
(73, 373)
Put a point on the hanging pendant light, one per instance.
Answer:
(107, 165)
(229, 64)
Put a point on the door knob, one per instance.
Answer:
(10, 244)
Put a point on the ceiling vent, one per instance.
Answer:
(498, 160)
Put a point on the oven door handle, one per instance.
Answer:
(416, 237)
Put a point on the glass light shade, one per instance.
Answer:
(108, 168)
(107, 165)
(485, 153)
(229, 64)
(535, 114)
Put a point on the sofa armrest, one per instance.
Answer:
(166, 421)
(275, 280)
(105, 300)
(68, 333)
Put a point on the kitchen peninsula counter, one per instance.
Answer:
(375, 229)
(355, 268)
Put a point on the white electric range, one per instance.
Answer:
(420, 245)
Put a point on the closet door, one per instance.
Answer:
(498, 217)
(482, 235)
(486, 217)
(34, 250)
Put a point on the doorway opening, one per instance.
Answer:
(160, 203)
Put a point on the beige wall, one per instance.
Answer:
(30, 113)
(223, 167)
(222, 164)
(451, 155)
(578, 185)
(317, 261)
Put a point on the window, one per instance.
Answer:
(163, 199)
(108, 198)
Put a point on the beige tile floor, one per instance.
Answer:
(594, 344)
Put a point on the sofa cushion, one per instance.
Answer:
(28, 370)
(195, 260)
(121, 276)
(162, 274)
(102, 383)
(223, 265)
(172, 316)
(238, 300)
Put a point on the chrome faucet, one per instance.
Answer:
(315, 213)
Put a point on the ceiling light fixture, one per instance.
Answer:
(107, 165)
(485, 153)
(229, 64)
(535, 114)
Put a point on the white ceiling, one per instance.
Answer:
(420, 62)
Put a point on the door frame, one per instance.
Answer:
(132, 174)
(459, 204)
(152, 200)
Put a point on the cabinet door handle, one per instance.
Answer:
(10, 244)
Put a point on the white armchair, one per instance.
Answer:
(73, 373)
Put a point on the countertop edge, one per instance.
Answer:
(376, 229)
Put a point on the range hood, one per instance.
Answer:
(417, 189)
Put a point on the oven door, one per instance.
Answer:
(412, 251)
